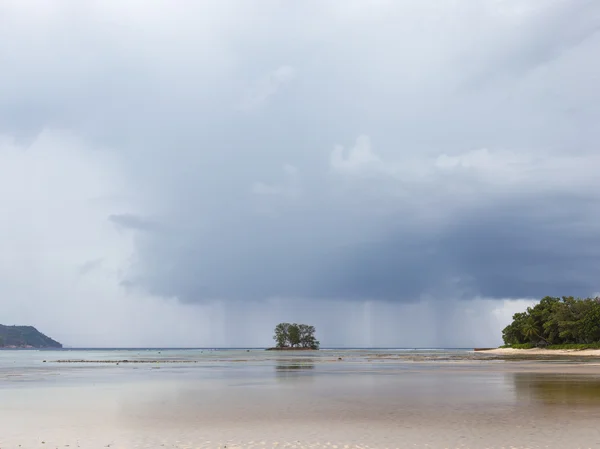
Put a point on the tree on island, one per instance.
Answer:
(556, 321)
(295, 336)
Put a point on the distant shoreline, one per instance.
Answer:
(26, 347)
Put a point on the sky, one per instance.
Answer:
(396, 173)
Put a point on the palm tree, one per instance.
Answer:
(530, 330)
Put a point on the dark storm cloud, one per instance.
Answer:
(530, 247)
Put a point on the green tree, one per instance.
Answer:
(544, 314)
(307, 336)
(295, 336)
(282, 335)
(531, 330)
(589, 323)
(513, 333)
(556, 321)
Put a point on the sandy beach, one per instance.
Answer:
(546, 352)
(224, 401)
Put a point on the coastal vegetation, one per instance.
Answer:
(295, 336)
(556, 323)
(25, 337)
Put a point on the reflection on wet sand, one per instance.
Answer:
(295, 369)
(557, 389)
(286, 367)
(344, 399)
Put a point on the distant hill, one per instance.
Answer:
(25, 337)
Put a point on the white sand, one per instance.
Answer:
(539, 351)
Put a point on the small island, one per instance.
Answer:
(294, 337)
(25, 337)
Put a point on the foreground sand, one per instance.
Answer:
(539, 351)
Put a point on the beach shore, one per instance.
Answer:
(540, 351)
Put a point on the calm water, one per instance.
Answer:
(21, 365)
(148, 396)
(459, 371)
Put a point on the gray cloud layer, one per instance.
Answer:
(317, 152)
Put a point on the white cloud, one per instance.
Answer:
(523, 168)
(498, 169)
(267, 86)
(360, 159)
(289, 188)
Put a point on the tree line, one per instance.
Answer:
(556, 321)
(295, 336)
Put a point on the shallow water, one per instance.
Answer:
(359, 398)
(56, 365)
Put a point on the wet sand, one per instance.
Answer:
(304, 402)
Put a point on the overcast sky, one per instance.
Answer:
(397, 173)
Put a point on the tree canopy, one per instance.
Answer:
(295, 336)
(556, 321)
